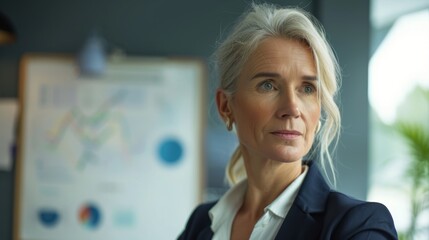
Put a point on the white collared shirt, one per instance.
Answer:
(223, 213)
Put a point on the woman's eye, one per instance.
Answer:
(266, 86)
(309, 89)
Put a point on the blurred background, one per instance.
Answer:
(382, 47)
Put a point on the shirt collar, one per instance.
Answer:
(281, 205)
(228, 205)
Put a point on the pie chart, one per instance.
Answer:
(89, 216)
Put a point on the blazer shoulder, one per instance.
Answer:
(342, 201)
(198, 221)
(356, 219)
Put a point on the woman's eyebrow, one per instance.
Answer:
(309, 78)
(276, 75)
(266, 74)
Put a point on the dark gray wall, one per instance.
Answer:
(348, 28)
(188, 28)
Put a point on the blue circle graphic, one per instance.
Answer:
(48, 217)
(170, 151)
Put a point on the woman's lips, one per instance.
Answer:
(287, 134)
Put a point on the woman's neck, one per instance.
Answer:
(266, 182)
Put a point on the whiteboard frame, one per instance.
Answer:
(27, 59)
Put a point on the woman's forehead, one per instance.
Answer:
(274, 54)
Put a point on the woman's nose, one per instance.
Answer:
(288, 106)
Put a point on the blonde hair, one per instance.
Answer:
(263, 21)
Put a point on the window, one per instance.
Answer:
(399, 92)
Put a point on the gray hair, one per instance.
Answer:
(263, 21)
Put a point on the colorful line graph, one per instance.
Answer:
(93, 130)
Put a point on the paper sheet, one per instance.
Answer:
(8, 109)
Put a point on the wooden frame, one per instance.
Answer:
(112, 156)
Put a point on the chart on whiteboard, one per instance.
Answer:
(100, 155)
(103, 128)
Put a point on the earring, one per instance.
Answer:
(319, 125)
(228, 123)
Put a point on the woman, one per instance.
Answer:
(278, 82)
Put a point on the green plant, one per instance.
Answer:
(417, 138)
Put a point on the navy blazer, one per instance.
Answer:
(317, 213)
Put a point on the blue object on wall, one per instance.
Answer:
(92, 58)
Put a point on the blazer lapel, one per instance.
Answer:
(299, 225)
(206, 234)
(303, 220)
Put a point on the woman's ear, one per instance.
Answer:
(223, 104)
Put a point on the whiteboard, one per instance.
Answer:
(117, 156)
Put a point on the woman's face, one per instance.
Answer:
(276, 108)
